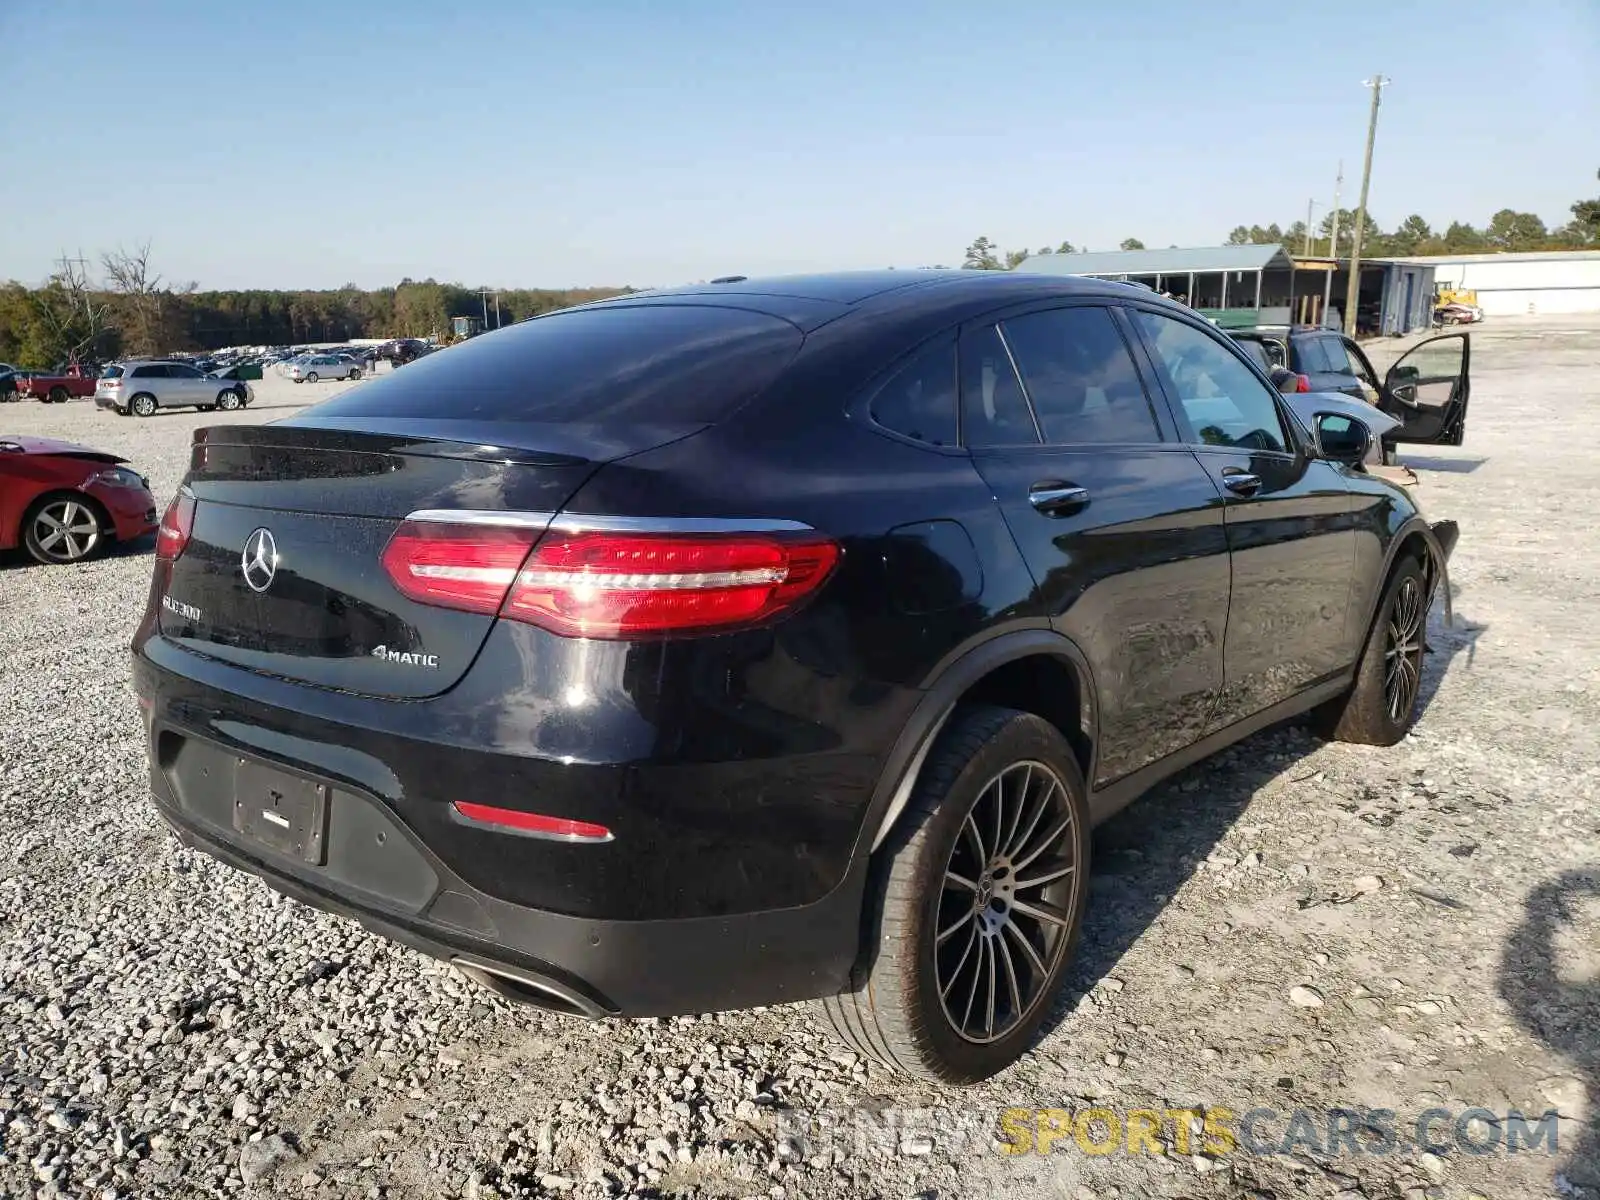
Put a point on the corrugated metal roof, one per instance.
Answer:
(1164, 262)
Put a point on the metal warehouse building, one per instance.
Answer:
(1548, 281)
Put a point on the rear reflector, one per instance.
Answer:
(533, 824)
(176, 524)
(641, 585)
(1302, 384)
(468, 567)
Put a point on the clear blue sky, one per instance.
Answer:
(568, 142)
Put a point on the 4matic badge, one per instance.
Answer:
(409, 658)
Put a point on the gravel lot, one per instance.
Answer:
(171, 1028)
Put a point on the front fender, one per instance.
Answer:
(1439, 540)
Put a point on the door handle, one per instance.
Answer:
(1055, 499)
(1240, 481)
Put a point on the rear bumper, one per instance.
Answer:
(573, 964)
(730, 883)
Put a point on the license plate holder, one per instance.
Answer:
(280, 810)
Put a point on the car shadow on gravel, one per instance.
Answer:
(1449, 466)
(21, 560)
(1560, 1007)
(1144, 854)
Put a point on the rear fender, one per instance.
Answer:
(941, 696)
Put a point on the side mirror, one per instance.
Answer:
(1343, 439)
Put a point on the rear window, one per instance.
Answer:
(111, 373)
(648, 363)
(1338, 360)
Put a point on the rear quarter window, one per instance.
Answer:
(646, 363)
(919, 400)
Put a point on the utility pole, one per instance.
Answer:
(1333, 231)
(1333, 244)
(1353, 291)
(1310, 204)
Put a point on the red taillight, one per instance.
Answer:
(1302, 384)
(176, 523)
(637, 585)
(516, 821)
(607, 585)
(469, 567)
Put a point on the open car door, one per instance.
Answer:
(1426, 391)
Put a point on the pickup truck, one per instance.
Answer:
(56, 387)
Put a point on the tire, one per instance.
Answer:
(355, 374)
(228, 400)
(64, 527)
(929, 879)
(1381, 706)
(312, 377)
(143, 405)
(58, 395)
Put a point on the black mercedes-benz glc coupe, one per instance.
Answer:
(766, 640)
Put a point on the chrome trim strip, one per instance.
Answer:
(588, 523)
(585, 523)
(484, 516)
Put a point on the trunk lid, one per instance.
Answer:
(282, 571)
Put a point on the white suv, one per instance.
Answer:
(143, 387)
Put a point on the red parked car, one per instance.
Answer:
(62, 502)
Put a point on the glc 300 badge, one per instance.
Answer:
(177, 607)
(408, 657)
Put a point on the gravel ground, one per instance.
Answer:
(1290, 925)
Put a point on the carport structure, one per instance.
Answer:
(1243, 286)
(1233, 285)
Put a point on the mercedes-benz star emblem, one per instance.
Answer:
(259, 562)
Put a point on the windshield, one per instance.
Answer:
(112, 372)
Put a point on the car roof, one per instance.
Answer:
(810, 301)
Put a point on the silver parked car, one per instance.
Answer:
(141, 387)
(325, 366)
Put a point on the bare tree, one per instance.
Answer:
(130, 275)
(74, 314)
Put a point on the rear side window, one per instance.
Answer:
(150, 373)
(919, 400)
(994, 412)
(1080, 377)
(644, 363)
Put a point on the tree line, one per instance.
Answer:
(127, 309)
(1507, 230)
